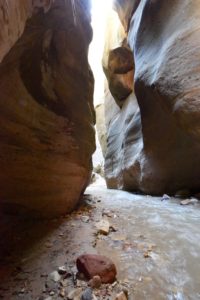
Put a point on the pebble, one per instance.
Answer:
(121, 296)
(62, 293)
(165, 197)
(114, 284)
(75, 293)
(80, 276)
(113, 228)
(87, 294)
(95, 282)
(85, 219)
(107, 213)
(81, 283)
(52, 293)
(48, 245)
(147, 254)
(62, 270)
(54, 276)
(64, 282)
(103, 227)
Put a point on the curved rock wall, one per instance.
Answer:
(154, 147)
(46, 109)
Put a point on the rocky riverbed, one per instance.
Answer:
(153, 242)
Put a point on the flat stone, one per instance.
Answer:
(75, 294)
(91, 265)
(103, 227)
(54, 276)
(189, 201)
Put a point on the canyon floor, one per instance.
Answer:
(153, 243)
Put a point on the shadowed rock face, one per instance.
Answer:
(46, 109)
(154, 146)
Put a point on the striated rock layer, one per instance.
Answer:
(154, 139)
(46, 109)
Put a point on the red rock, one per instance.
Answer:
(91, 265)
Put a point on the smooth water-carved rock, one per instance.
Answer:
(122, 118)
(154, 146)
(46, 111)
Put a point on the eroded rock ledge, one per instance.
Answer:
(154, 138)
(46, 109)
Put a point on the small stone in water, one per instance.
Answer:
(189, 201)
(165, 197)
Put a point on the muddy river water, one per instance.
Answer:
(156, 246)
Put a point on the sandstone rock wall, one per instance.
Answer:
(46, 109)
(154, 140)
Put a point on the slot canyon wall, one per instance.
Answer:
(153, 117)
(46, 105)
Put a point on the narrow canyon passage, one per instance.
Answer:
(121, 76)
